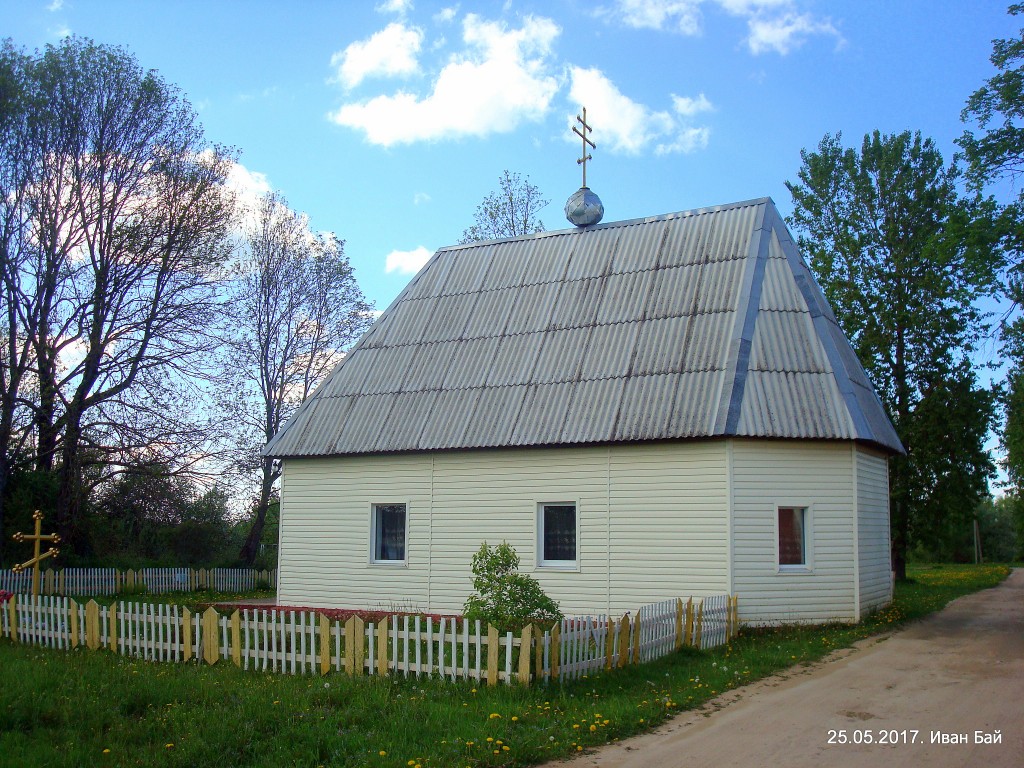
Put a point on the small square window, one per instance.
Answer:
(388, 533)
(557, 535)
(792, 536)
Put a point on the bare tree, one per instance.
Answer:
(509, 211)
(292, 310)
(129, 217)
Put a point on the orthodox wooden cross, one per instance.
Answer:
(38, 538)
(583, 135)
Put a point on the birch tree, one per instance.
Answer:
(292, 309)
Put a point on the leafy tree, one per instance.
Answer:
(902, 257)
(510, 211)
(504, 597)
(996, 154)
(292, 308)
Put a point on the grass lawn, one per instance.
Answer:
(83, 708)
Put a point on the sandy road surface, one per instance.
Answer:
(957, 672)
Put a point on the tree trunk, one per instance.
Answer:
(46, 431)
(251, 548)
(68, 489)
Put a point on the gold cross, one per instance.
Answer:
(37, 537)
(583, 135)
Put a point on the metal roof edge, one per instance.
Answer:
(738, 362)
(613, 224)
(820, 311)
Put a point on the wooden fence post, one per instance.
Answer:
(112, 627)
(359, 660)
(186, 634)
(525, 642)
(689, 622)
(13, 617)
(609, 643)
(700, 623)
(74, 624)
(538, 657)
(350, 645)
(325, 645)
(679, 624)
(48, 585)
(211, 641)
(636, 638)
(382, 647)
(624, 640)
(236, 638)
(61, 583)
(92, 625)
(556, 648)
(492, 655)
(129, 581)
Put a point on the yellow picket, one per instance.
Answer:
(492, 654)
(211, 643)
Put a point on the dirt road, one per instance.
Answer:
(934, 690)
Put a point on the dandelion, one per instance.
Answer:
(169, 745)
(494, 715)
(593, 728)
(382, 753)
(505, 748)
(515, 719)
(106, 751)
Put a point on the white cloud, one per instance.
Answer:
(56, 5)
(248, 185)
(445, 15)
(390, 52)
(394, 6)
(420, 197)
(784, 33)
(773, 25)
(623, 125)
(406, 262)
(501, 79)
(62, 31)
(684, 15)
(686, 106)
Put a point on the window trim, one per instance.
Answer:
(555, 565)
(404, 562)
(807, 566)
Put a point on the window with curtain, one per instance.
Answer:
(792, 536)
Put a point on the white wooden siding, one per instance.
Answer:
(818, 475)
(873, 530)
(667, 534)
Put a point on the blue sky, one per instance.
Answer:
(387, 123)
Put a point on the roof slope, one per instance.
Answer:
(697, 324)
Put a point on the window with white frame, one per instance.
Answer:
(388, 533)
(793, 525)
(556, 535)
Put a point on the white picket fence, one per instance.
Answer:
(95, 582)
(303, 642)
(587, 644)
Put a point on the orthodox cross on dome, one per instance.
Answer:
(37, 538)
(583, 135)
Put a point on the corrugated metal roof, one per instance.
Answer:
(697, 324)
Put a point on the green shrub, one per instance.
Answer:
(504, 597)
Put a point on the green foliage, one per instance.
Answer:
(344, 722)
(903, 259)
(509, 211)
(994, 154)
(504, 597)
